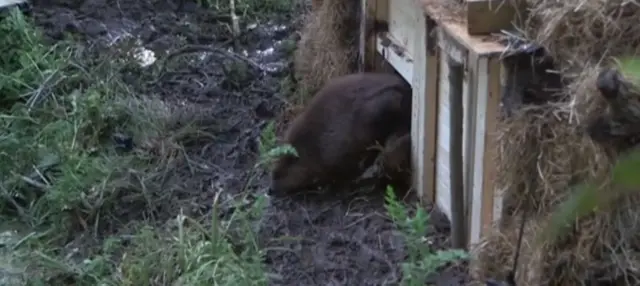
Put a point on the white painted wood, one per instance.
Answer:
(5, 3)
(403, 17)
(407, 55)
(466, 133)
(402, 63)
(478, 176)
(443, 184)
(418, 110)
(450, 48)
(470, 120)
(443, 179)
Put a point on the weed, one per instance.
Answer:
(65, 174)
(267, 139)
(423, 261)
(252, 9)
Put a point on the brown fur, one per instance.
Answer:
(396, 161)
(333, 135)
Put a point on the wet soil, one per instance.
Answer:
(345, 239)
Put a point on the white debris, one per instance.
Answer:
(145, 57)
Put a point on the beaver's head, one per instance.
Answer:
(290, 174)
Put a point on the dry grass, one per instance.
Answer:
(600, 248)
(581, 31)
(446, 10)
(328, 47)
(544, 151)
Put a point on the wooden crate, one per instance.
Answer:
(419, 48)
(492, 16)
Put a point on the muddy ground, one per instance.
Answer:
(346, 239)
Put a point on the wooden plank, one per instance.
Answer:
(471, 121)
(490, 137)
(403, 20)
(396, 55)
(419, 111)
(362, 43)
(481, 69)
(479, 45)
(456, 113)
(442, 184)
(489, 16)
(449, 48)
(382, 10)
(375, 10)
(424, 112)
(431, 117)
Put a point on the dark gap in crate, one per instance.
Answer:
(531, 78)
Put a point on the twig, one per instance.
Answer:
(199, 48)
(235, 25)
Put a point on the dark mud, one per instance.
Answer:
(343, 240)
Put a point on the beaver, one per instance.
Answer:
(395, 161)
(335, 133)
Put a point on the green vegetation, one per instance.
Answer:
(423, 260)
(66, 179)
(63, 175)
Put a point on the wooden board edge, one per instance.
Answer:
(481, 69)
(442, 190)
(419, 110)
(431, 118)
(396, 55)
(472, 78)
(458, 31)
(374, 10)
(362, 39)
(489, 16)
(494, 94)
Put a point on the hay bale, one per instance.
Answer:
(579, 31)
(493, 255)
(328, 46)
(542, 152)
(602, 249)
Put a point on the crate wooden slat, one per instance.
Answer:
(417, 46)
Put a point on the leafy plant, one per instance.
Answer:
(267, 146)
(423, 261)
